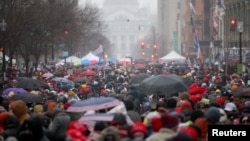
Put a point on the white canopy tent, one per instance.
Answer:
(72, 59)
(91, 57)
(172, 56)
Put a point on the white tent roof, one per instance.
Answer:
(90, 56)
(72, 59)
(173, 56)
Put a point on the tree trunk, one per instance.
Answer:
(26, 61)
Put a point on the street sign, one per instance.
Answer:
(64, 54)
(239, 68)
(240, 26)
(62, 45)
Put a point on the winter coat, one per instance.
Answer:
(58, 128)
(162, 135)
(134, 116)
(32, 129)
(10, 125)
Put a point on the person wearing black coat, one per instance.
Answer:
(10, 126)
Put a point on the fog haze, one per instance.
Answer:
(150, 4)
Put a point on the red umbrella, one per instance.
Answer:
(88, 73)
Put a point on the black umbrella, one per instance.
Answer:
(28, 98)
(162, 85)
(138, 78)
(29, 83)
(154, 64)
(80, 80)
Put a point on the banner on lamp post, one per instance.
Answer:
(233, 55)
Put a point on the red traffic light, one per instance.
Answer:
(233, 22)
(142, 43)
(66, 32)
(155, 46)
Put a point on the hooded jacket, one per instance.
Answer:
(19, 109)
(10, 125)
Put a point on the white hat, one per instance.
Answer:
(204, 84)
(230, 107)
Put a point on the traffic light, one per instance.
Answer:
(66, 32)
(233, 24)
(142, 53)
(142, 45)
(1, 49)
(154, 46)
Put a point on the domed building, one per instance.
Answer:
(128, 25)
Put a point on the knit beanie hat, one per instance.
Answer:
(213, 114)
(156, 124)
(191, 132)
(186, 105)
(139, 127)
(220, 101)
(234, 87)
(169, 121)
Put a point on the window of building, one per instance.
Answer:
(179, 5)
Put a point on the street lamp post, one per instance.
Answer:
(240, 30)
(3, 26)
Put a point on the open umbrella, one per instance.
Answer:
(154, 64)
(138, 78)
(244, 92)
(14, 91)
(29, 83)
(80, 80)
(28, 98)
(93, 103)
(89, 73)
(61, 80)
(106, 68)
(91, 119)
(48, 75)
(162, 85)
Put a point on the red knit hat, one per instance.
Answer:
(169, 121)
(178, 109)
(220, 101)
(194, 98)
(156, 124)
(199, 97)
(195, 89)
(186, 105)
(139, 127)
(191, 132)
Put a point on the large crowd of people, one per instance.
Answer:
(212, 97)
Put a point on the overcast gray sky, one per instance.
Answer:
(151, 4)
